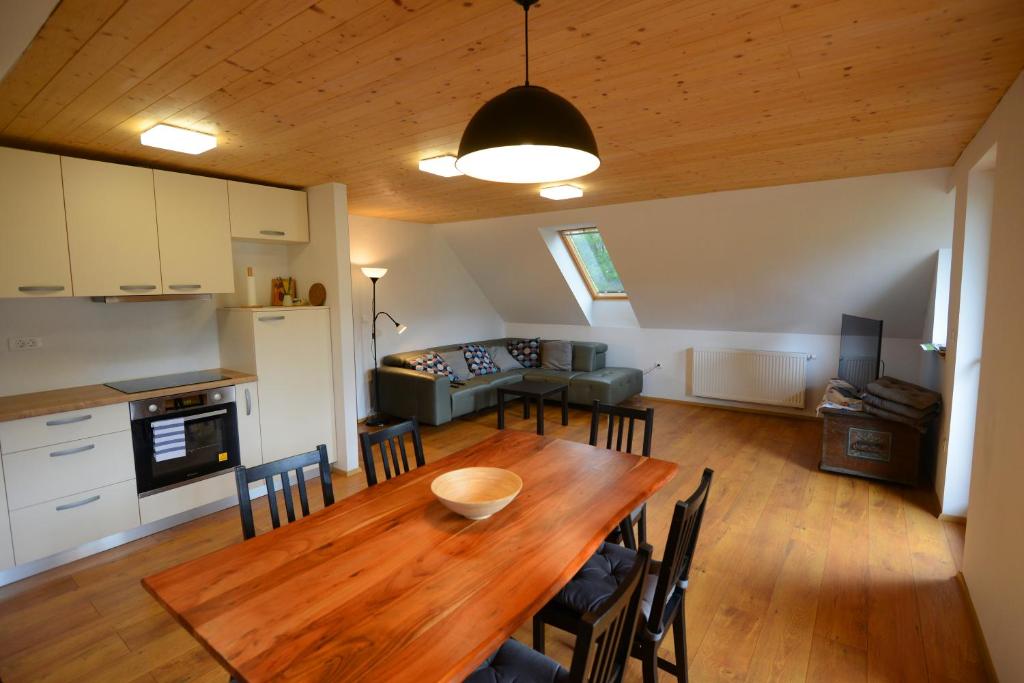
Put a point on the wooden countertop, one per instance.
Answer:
(20, 406)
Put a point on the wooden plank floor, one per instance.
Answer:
(800, 575)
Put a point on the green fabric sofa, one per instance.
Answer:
(433, 400)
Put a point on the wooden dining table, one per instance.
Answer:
(389, 585)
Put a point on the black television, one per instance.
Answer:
(860, 350)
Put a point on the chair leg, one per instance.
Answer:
(538, 634)
(628, 536)
(649, 659)
(679, 636)
(641, 524)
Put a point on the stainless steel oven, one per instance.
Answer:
(184, 437)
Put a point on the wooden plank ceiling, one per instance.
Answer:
(685, 96)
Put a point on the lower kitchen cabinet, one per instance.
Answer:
(47, 528)
(6, 547)
(188, 497)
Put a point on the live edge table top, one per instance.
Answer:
(389, 585)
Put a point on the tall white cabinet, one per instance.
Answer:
(290, 350)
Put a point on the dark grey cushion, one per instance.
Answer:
(516, 663)
(503, 359)
(457, 361)
(599, 578)
(556, 355)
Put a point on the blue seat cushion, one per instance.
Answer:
(516, 663)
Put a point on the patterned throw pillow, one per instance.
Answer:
(526, 351)
(478, 360)
(432, 363)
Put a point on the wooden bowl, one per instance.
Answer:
(476, 492)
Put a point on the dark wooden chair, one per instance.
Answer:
(666, 610)
(619, 435)
(603, 641)
(391, 445)
(280, 468)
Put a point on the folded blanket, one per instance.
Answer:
(840, 395)
(919, 425)
(898, 391)
(899, 408)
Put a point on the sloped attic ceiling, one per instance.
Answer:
(785, 259)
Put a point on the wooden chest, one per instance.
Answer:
(868, 446)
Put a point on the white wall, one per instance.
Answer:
(779, 259)
(994, 549)
(426, 288)
(92, 343)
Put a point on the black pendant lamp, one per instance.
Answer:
(527, 134)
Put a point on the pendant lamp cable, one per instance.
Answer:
(526, 39)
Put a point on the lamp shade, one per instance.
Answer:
(375, 273)
(528, 134)
(401, 328)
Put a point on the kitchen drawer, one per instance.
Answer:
(48, 528)
(46, 430)
(187, 497)
(64, 469)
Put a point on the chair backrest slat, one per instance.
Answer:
(267, 472)
(605, 638)
(394, 457)
(275, 518)
(682, 540)
(618, 432)
(300, 484)
(286, 489)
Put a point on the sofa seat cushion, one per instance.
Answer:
(607, 385)
(552, 376)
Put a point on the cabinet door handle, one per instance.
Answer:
(41, 288)
(137, 288)
(77, 503)
(184, 286)
(274, 233)
(248, 402)
(268, 318)
(68, 420)
(72, 451)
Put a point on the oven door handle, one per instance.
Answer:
(212, 413)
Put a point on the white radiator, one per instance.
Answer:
(777, 378)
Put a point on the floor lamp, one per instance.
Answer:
(377, 418)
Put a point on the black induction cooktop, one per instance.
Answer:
(134, 386)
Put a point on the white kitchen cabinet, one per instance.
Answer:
(290, 350)
(48, 528)
(6, 546)
(194, 230)
(34, 255)
(41, 474)
(46, 430)
(247, 407)
(270, 214)
(196, 494)
(112, 233)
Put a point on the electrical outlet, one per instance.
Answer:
(24, 343)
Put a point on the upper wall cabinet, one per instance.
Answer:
(112, 235)
(268, 213)
(34, 256)
(195, 233)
